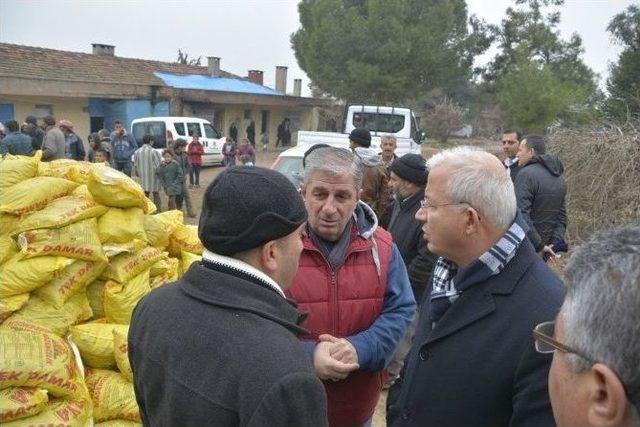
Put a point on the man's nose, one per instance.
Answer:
(329, 205)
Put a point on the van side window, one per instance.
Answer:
(159, 131)
(210, 131)
(194, 128)
(179, 128)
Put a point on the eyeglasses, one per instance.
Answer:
(545, 344)
(424, 204)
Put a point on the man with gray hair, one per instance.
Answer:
(353, 282)
(595, 339)
(472, 360)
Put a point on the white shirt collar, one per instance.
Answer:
(242, 266)
(508, 162)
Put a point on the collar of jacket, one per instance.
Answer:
(221, 285)
(243, 267)
(478, 301)
(410, 201)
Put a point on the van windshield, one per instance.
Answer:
(379, 122)
(157, 129)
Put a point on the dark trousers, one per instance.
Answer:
(123, 166)
(156, 199)
(194, 174)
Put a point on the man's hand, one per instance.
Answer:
(341, 349)
(328, 368)
(547, 253)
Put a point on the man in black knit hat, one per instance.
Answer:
(218, 346)
(408, 178)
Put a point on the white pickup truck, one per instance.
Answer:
(399, 122)
(396, 121)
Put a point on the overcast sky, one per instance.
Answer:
(246, 34)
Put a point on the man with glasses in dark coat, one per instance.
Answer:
(472, 360)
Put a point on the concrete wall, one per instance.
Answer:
(74, 109)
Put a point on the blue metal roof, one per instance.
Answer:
(218, 84)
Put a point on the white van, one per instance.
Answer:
(167, 129)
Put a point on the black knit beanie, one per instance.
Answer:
(244, 208)
(361, 137)
(410, 167)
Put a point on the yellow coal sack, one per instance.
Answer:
(187, 259)
(185, 238)
(121, 225)
(19, 275)
(59, 413)
(31, 357)
(21, 402)
(112, 396)
(8, 248)
(70, 281)
(125, 266)
(121, 298)
(159, 227)
(8, 223)
(133, 246)
(34, 194)
(9, 305)
(121, 352)
(171, 275)
(95, 291)
(79, 240)
(95, 340)
(118, 423)
(61, 212)
(113, 188)
(57, 320)
(66, 168)
(15, 169)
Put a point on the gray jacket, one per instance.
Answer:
(53, 146)
(540, 191)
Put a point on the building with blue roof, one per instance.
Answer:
(95, 89)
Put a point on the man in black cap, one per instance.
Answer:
(36, 134)
(375, 191)
(408, 178)
(218, 346)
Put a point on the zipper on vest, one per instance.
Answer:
(334, 302)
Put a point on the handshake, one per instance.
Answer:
(334, 358)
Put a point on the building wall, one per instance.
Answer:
(74, 109)
(303, 117)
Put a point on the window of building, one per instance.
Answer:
(264, 127)
(247, 114)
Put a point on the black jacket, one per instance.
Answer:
(408, 236)
(540, 191)
(478, 366)
(218, 348)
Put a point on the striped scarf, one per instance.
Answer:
(449, 282)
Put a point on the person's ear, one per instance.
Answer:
(608, 403)
(268, 257)
(472, 221)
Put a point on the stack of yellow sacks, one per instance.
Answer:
(80, 245)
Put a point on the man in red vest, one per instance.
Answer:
(353, 282)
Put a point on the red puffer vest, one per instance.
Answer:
(343, 303)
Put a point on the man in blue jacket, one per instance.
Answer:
(472, 360)
(123, 145)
